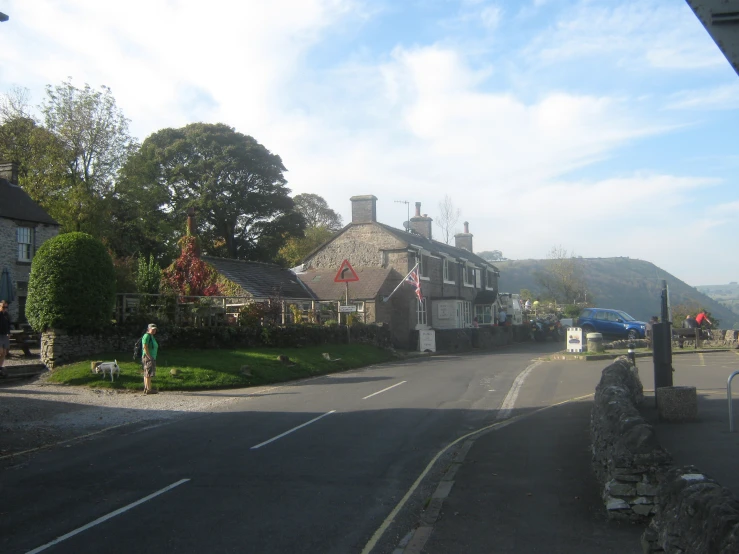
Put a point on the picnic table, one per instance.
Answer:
(23, 339)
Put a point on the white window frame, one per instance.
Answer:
(466, 313)
(422, 316)
(467, 283)
(484, 314)
(359, 304)
(447, 264)
(423, 268)
(24, 239)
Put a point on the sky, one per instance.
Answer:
(599, 127)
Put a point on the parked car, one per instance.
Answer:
(612, 323)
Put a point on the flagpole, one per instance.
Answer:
(401, 282)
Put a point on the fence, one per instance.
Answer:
(214, 311)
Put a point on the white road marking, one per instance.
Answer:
(383, 390)
(261, 444)
(107, 517)
(510, 399)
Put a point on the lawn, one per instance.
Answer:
(212, 369)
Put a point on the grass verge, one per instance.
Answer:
(213, 369)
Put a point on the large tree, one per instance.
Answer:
(69, 162)
(236, 185)
(94, 135)
(316, 212)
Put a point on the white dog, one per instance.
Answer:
(108, 367)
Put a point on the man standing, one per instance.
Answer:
(502, 315)
(150, 348)
(4, 335)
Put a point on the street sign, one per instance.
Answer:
(346, 273)
(345, 309)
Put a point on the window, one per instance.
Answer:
(423, 265)
(467, 314)
(601, 315)
(490, 282)
(421, 312)
(484, 314)
(24, 236)
(448, 277)
(469, 276)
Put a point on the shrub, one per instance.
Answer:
(72, 285)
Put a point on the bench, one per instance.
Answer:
(23, 340)
(682, 334)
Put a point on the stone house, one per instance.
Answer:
(24, 227)
(456, 284)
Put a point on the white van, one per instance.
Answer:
(512, 305)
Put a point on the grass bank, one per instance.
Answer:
(213, 369)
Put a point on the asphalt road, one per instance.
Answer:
(313, 467)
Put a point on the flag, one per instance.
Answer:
(413, 279)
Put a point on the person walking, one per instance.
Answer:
(150, 348)
(4, 335)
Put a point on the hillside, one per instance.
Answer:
(626, 284)
(728, 295)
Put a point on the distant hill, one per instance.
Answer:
(626, 284)
(728, 295)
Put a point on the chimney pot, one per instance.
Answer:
(418, 209)
(466, 227)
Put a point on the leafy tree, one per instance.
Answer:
(235, 183)
(95, 142)
(562, 279)
(296, 249)
(447, 218)
(526, 294)
(316, 212)
(148, 276)
(72, 285)
(491, 255)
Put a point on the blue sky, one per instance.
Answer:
(604, 127)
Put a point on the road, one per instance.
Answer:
(313, 466)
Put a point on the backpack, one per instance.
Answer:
(138, 350)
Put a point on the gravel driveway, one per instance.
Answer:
(35, 413)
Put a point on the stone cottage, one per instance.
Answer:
(24, 227)
(456, 285)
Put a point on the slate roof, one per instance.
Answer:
(436, 246)
(370, 284)
(261, 280)
(16, 204)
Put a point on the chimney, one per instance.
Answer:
(464, 240)
(364, 209)
(421, 224)
(9, 171)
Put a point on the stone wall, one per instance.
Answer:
(59, 348)
(694, 514)
(484, 338)
(20, 271)
(627, 459)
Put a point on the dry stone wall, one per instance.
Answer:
(627, 459)
(694, 514)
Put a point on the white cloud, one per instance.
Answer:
(635, 33)
(725, 97)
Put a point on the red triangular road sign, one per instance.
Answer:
(346, 273)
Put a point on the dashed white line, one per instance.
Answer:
(510, 399)
(383, 390)
(106, 517)
(261, 444)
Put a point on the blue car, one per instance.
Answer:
(612, 323)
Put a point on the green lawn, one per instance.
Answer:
(211, 369)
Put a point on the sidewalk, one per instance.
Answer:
(529, 487)
(706, 443)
